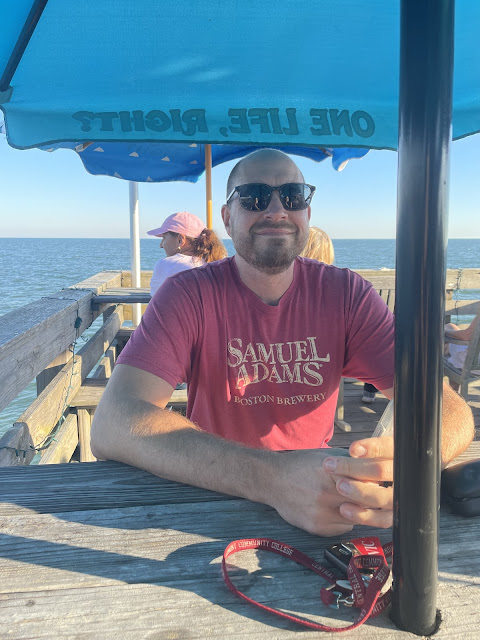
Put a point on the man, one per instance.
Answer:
(262, 340)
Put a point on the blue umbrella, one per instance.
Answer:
(164, 162)
(275, 72)
(347, 73)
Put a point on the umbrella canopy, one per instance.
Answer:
(276, 72)
(163, 162)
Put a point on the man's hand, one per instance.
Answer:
(305, 494)
(361, 479)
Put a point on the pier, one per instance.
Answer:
(101, 549)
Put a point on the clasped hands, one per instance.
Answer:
(328, 491)
(364, 479)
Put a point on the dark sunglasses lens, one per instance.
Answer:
(295, 196)
(254, 197)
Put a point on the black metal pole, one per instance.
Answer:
(425, 115)
(23, 39)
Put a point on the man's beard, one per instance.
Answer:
(277, 255)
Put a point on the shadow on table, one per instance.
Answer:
(191, 568)
(176, 546)
(174, 541)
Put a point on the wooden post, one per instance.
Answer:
(47, 375)
(122, 337)
(66, 441)
(339, 413)
(108, 312)
(84, 426)
(208, 182)
(106, 364)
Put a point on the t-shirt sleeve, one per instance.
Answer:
(163, 342)
(369, 353)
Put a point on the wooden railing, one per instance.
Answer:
(35, 343)
(457, 279)
(384, 283)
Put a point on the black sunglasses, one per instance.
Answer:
(256, 196)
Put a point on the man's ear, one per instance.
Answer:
(226, 218)
(309, 212)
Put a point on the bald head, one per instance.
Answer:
(271, 238)
(264, 165)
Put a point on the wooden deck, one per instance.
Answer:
(363, 418)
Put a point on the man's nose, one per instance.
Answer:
(275, 209)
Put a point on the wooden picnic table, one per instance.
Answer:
(104, 550)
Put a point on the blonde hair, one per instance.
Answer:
(319, 246)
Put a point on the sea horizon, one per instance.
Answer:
(155, 238)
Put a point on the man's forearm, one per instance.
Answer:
(458, 429)
(168, 445)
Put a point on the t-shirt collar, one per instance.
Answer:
(254, 300)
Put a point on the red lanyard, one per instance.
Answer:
(352, 592)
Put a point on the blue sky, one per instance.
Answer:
(50, 195)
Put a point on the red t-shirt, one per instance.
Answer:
(265, 376)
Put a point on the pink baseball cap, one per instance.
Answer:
(183, 222)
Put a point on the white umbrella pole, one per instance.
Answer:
(135, 248)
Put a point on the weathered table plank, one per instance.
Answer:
(153, 571)
(135, 540)
(90, 485)
(102, 485)
(155, 611)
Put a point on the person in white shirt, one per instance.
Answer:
(187, 243)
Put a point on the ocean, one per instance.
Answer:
(35, 267)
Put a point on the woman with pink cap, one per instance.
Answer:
(187, 243)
